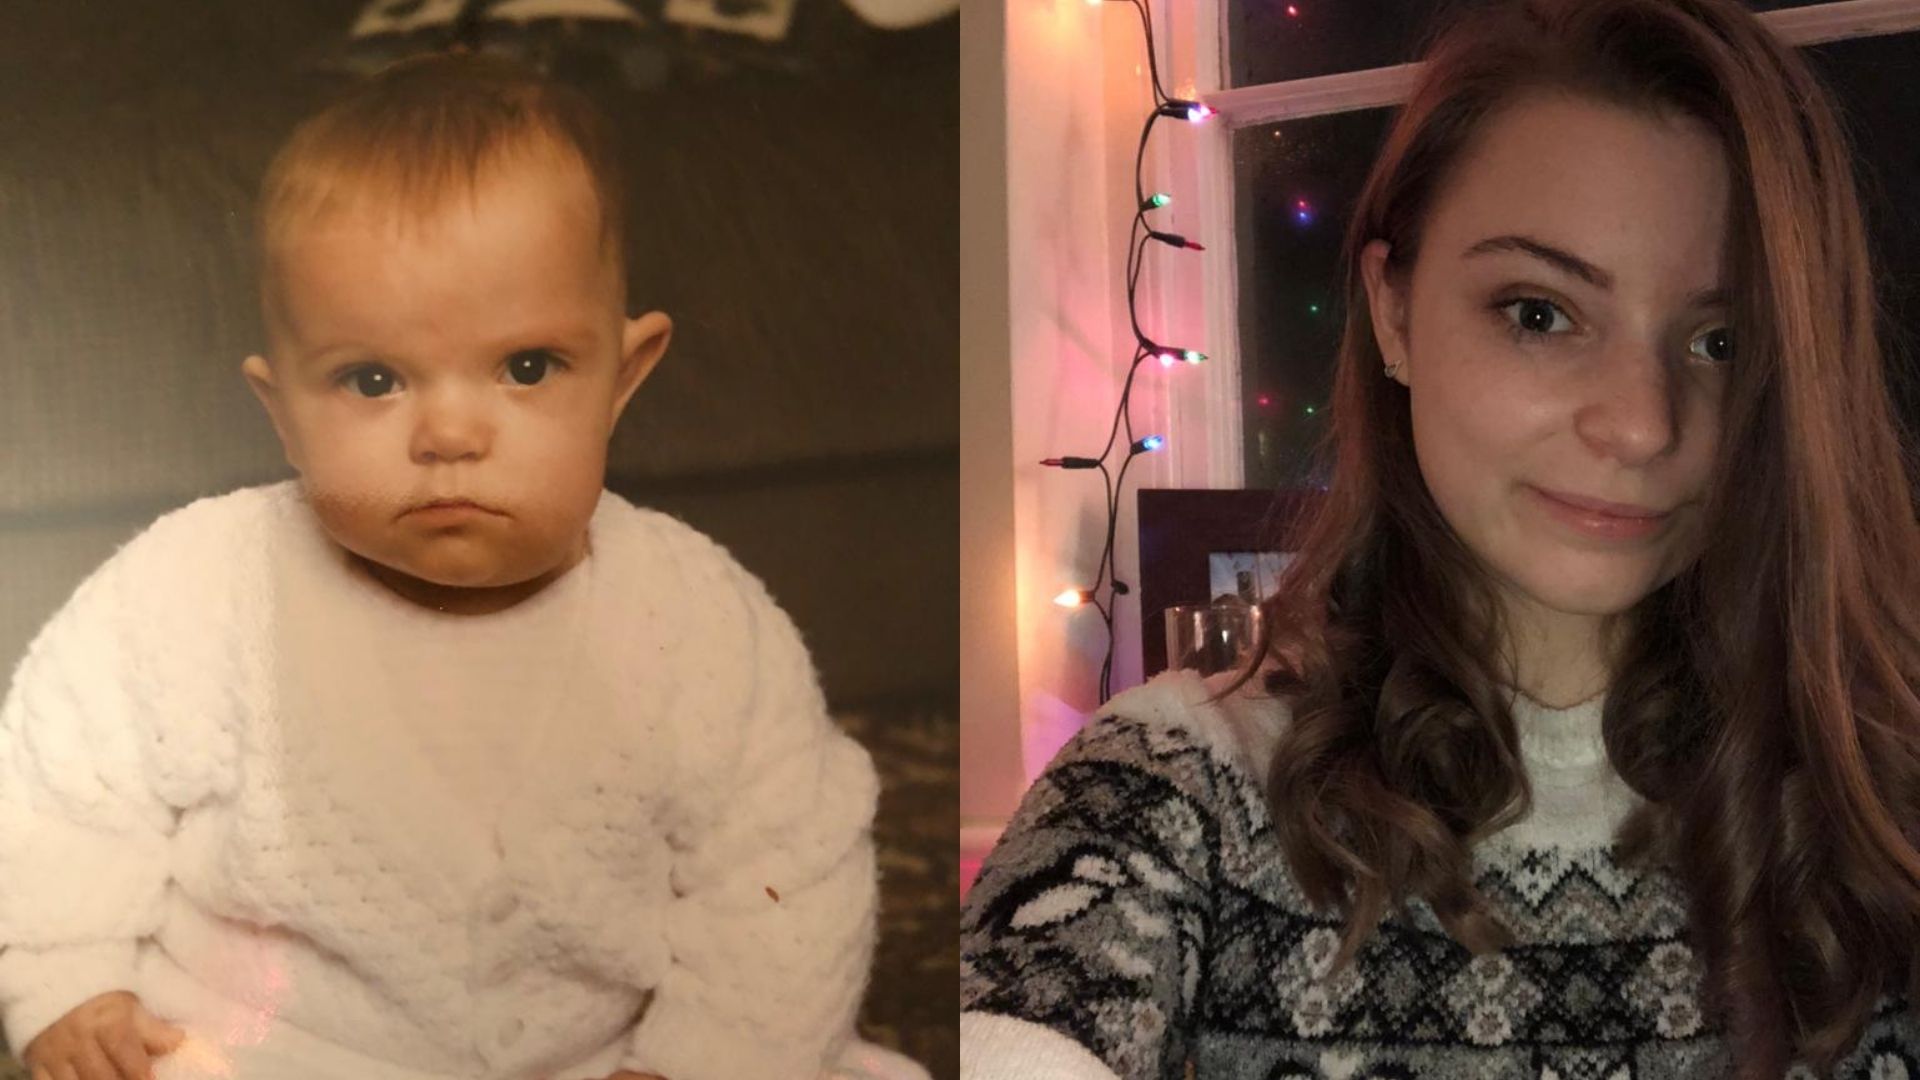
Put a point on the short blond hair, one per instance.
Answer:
(426, 130)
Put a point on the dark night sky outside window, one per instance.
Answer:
(1265, 45)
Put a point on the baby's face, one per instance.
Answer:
(446, 387)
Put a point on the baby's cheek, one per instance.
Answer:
(564, 480)
(351, 518)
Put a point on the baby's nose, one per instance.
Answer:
(451, 430)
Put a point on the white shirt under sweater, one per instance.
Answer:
(204, 799)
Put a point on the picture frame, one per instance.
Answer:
(1185, 534)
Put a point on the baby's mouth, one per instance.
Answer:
(449, 506)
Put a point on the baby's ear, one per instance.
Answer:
(259, 376)
(643, 341)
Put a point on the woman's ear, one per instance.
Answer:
(1387, 304)
(259, 376)
(643, 341)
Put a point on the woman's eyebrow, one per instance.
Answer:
(1568, 262)
(1564, 260)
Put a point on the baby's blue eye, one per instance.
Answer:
(372, 381)
(528, 366)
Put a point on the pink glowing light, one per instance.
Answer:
(969, 869)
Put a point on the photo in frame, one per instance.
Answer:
(1196, 544)
(1247, 576)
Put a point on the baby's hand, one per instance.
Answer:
(109, 1037)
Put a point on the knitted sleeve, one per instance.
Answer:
(1083, 939)
(90, 784)
(772, 924)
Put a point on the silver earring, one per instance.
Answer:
(1390, 369)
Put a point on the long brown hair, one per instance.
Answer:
(1763, 701)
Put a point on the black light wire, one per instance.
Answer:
(1114, 480)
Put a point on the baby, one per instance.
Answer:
(439, 761)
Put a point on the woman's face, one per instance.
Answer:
(1564, 339)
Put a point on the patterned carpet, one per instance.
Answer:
(914, 995)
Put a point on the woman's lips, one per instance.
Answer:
(1601, 506)
(1592, 517)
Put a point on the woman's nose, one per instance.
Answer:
(1633, 408)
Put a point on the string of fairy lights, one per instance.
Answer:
(1106, 588)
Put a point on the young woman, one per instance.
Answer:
(1586, 743)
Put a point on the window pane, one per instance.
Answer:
(1291, 315)
(1290, 310)
(1873, 80)
(1330, 36)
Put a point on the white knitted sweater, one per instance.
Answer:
(681, 882)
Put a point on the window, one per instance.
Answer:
(1327, 37)
(1310, 98)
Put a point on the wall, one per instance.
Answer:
(989, 662)
(1075, 95)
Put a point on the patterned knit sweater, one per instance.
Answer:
(1137, 920)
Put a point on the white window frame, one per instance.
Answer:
(1211, 408)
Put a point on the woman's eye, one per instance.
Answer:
(529, 366)
(1531, 316)
(1719, 345)
(372, 381)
